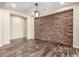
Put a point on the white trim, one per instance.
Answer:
(6, 43)
(75, 46)
(30, 38)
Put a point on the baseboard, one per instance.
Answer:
(18, 40)
(71, 45)
(6, 43)
(30, 38)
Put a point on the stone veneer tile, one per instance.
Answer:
(56, 27)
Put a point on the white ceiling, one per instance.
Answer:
(29, 7)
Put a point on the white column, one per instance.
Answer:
(1, 23)
(6, 27)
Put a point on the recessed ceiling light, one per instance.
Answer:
(61, 3)
(13, 5)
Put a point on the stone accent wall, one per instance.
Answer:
(55, 27)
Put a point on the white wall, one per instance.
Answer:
(29, 24)
(17, 27)
(1, 23)
(5, 26)
(76, 26)
(30, 28)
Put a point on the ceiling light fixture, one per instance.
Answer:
(36, 13)
(13, 5)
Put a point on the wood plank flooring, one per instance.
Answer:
(38, 48)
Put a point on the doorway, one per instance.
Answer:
(17, 27)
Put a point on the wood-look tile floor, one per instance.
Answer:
(39, 48)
